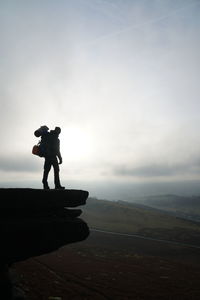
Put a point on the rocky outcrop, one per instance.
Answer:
(35, 222)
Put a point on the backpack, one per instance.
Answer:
(43, 148)
(48, 145)
(40, 148)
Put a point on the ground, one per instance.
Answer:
(107, 266)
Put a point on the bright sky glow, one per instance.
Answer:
(77, 145)
(121, 79)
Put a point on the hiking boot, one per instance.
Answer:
(59, 187)
(46, 187)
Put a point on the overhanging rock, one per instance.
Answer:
(19, 199)
(35, 222)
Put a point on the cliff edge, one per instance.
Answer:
(35, 222)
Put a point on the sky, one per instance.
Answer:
(121, 79)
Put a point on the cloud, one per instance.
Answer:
(126, 71)
(19, 164)
(159, 170)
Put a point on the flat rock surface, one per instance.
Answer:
(28, 199)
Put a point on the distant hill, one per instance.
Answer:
(188, 207)
(131, 218)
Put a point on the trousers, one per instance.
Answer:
(51, 161)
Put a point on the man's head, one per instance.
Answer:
(57, 130)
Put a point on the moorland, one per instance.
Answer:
(134, 251)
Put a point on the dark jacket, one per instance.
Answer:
(51, 144)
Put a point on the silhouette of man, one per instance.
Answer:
(51, 145)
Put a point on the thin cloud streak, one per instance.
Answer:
(143, 24)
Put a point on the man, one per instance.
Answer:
(51, 146)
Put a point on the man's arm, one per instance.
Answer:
(58, 152)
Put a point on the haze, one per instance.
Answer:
(121, 79)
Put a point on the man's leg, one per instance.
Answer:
(56, 175)
(47, 168)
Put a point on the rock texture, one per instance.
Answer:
(35, 222)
